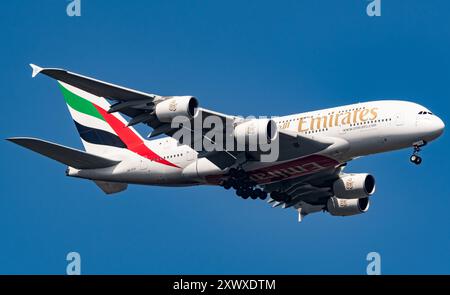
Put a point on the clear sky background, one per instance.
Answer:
(237, 57)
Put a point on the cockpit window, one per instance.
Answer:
(425, 113)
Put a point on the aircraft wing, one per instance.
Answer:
(294, 145)
(140, 107)
(307, 194)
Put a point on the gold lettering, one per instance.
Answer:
(363, 115)
(330, 121)
(347, 118)
(317, 121)
(374, 114)
(301, 122)
(355, 115)
(336, 119)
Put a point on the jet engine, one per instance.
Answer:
(177, 106)
(354, 186)
(347, 207)
(256, 131)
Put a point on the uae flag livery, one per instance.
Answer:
(100, 130)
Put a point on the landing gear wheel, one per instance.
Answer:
(226, 184)
(247, 193)
(416, 159)
(274, 195)
(240, 192)
(245, 187)
(258, 192)
(263, 195)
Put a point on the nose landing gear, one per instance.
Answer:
(415, 158)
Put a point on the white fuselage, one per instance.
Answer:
(360, 129)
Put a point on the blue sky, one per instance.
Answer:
(237, 57)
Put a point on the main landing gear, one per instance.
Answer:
(415, 158)
(244, 186)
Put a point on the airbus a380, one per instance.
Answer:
(307, 152)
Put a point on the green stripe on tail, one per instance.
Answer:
(80, 104)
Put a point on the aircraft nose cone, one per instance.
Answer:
(431, 127)
(439, 126)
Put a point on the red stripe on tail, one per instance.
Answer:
(133, 142)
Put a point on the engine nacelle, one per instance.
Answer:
(354, 186)
(177, 106)
(347, 207)
(201, 168)
(257, 131)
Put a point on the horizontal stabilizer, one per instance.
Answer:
(66, 155)
(111, 187)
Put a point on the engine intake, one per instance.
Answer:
(354, 186)
(170, 108)
(345, 207)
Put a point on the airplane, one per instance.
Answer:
(306, 171)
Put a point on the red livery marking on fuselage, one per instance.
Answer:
(299, 167)
(291, 169)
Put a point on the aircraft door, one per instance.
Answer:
(142, 164)
(190, 155)
(399, 119)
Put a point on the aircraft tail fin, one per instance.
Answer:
(66, 155)
(100, 131)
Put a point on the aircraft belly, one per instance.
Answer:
(299, 167)
(277, 171)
